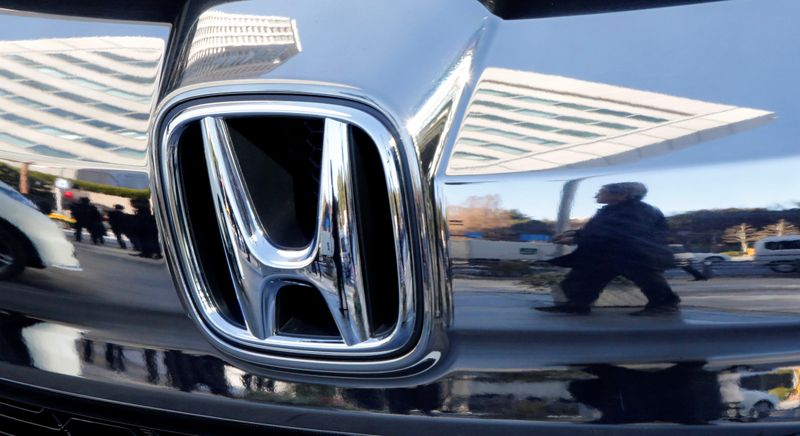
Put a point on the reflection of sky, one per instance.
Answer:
(14, 27)
(771, 184)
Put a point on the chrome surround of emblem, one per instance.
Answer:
(257, 265)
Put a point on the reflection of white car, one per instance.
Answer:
(482, 249)
(781, 253)
(756, 404)
(682, 254)
(29, 238)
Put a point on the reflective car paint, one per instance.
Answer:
(118, 332)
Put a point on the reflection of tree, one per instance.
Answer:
(741, 234)
(481, 214)
(485, 214)
(780, 228)
(702, 230)
(40, 185)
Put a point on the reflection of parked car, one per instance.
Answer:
(29, 238)
(780, 253)
(485, 250)
(682, 254)
(756, 405)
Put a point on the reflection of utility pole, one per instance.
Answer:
(565, 208)
(59, 205)
(24, 188)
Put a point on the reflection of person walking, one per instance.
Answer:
(117, 220)
(627, 238)
(86, 216)
(687, 266)
(146, 231)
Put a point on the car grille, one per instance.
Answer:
(100, 418)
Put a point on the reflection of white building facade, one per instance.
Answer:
(521, 121)
(232, 46)
(85, 102)
(83, 99)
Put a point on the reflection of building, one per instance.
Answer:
(84, 99)
(522, 121)
(232, 46)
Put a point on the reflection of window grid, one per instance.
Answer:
(472, 156)
(10, 75)
(98, 143)
(514, 103)
(510, 135)
(72, 61)
(52, 131)
(555, 102)
(16, 119)
(505, 149)
(28, 102)
(48, 151)
(39, 86)
(139, 154)
(47, 130)
(68, 115)
(590, 120)
(544, 115)
(16, 141)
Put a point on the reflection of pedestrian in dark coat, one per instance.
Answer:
(627, 237)
(186, 372)
(144, 226)
(117, 219)
(86, 216)
(683, 393)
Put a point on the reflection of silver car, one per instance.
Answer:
(682, 254)
(29, 238)
(756, 405)
(780, 253)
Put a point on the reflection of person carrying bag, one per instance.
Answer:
(627, 237)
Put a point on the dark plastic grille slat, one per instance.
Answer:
(82, 416)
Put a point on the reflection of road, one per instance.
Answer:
(108, 238)
(767, 294)
(112, 275)
(733, 286)
(128, 298)
(490, 324)
(736, 268)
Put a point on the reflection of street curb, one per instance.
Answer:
(70, 234)
(115, 251)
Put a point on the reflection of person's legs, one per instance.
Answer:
(121, 243)
(582, 286)
(653, 285)
(135, 241)
(694, 272)
(687, 266)
(78, 232)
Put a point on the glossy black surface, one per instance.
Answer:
(521, 9)
(117, 332)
